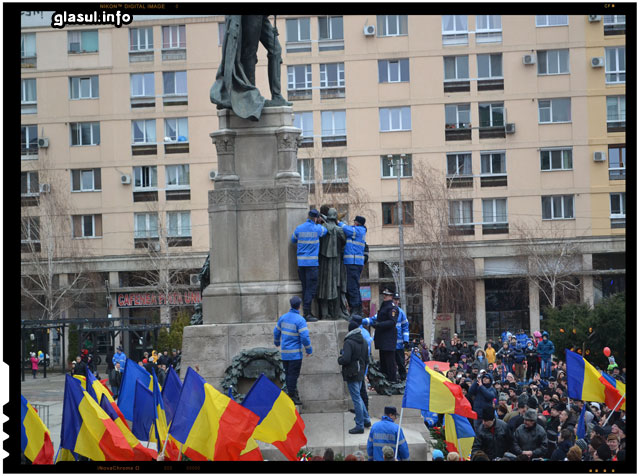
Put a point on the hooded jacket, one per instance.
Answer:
(354, 357)
(483, 395)
(546, 347)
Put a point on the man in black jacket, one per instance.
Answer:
(385, 336)
(353, 358)
(530, 439)
(492, 436)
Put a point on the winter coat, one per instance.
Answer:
(292, 328)
(546, 348)
(402, 325)
(441, 354)
(385, 336)
(518, 354)
(483, 395)
(506, 355)
(119, 357)
(491, 355)
(560, 453)
(530, 439)
(354, 356)
(480, 364)
(384, 433)
(34, 363)
(452, 354)
(531, 355)
(80, 369)
(495, 441)
(307, 237)
(354, 249)
(115, 378)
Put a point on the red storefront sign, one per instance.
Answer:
(183, 298)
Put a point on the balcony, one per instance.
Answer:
(617, 173)
(175, 100)
(145, 195)
(461, 229)
(140, 56)
(305, 142)
(616, 126)
(143, 101)
(29, 199)
(334, 141)
(150, 243)
(449, 39)
(174, 54)
(179, 241)
(30, 107)
(461, 131)
(298, 46)
(178, 194)
(335, 187)
(492, 131)
(299, 94)
(459, 181)
(493, 180)
(29, 153)
(332, 93)
(457, 86)
(619, 222)
(29, 62)
(615, 29)
(176, 147)
(330, 45)
(144, 149)
(490, 84)
(27, 246)
(495, 228)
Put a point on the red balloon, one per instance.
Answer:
(606, 351)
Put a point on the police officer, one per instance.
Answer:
(307, 237)
(292, 328)
(386, 333)
(354, 260)
(385, 433)
(403, 337)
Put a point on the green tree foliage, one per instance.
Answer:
(576, 325)
(172, 339)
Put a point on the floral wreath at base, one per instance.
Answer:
(379, 381)
(240, 361)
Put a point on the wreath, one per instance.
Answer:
(379, 381)
(240, 362)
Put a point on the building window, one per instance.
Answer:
(557, 207)
(174, 83)
(30, 234)
(306, 170)
(141, 39)
(85, 133)
(174, 37)
(488, 28)
(617, 162)
(460, 212)
(334, 127)
(86, 226)
(456, 68)
(298, 35)
(145, 178)
(330, 33)
(29, 142)
(334, 169)
(491, 114)
(142, 85)
(494, 216)
(553, 62)
(28, 50)
(554, 110)
(390, 213)
(457, 116)
(145, 225)
(616, 113)
(493, 168)
(143, 131)
(299, 82)
(393, 71)
(614, 24)
(85, 41)
(389, 169)
(455, 30)
(177, 176)
(392, 25)
(615, 68)
(304, 121)
(552, 20)
(556, 159)
(332, 80)
(618, 210)
(28, 96)
(490, 66)
(176, 130)
(29, 185)
(179, 224)
(459, 164)
(395, 119)
(86, 180)
(83, 87)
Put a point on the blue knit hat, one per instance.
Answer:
(295, 302)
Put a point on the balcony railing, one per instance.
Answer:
(494, 228)
(28, 62)
(490, 84)
(144, 148)
(619, 222)
(143, 101)
(617, 173)
(141, 56)
(172, 54)
(178, 194)
(330, 45)
(616, 126)
(175, 99)
(332, 92)
(457, 131)
(298, 46)
(334, 141)
(459, 181)
(461, 229)
(457, 86)
(492, 130)
(299, 94)
(493, 180)
(176, 147)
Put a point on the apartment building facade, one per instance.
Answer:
(519, 119)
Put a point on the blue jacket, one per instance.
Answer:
(122, 358)
(293, 329)
(518, 354)
(307, 236)
(354, 249)
(483, 396)
(546, 348)
(521, 340)
(384, 433)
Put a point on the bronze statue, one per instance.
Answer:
(332, 283)
(235, 85)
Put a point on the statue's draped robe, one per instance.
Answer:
(331, 280)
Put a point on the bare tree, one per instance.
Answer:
(553, 259)
(445, 264)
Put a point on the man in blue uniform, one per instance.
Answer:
(354, 260)
(385, 336)
(403, 337)
(307, 237)
(295, 335)
(384, 433)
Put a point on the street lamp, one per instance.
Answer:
(397, 163)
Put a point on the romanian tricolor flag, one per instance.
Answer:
(140, 453)
(35, 438)
(251, 452)
(171, 451)
(427, 389)
(584, 382)
(280, 423)
(143, 414)
(209, 424)
(622, 388)
(87, 430)
(127, 392)
(458, 435)
(171, 393)
(96, 388)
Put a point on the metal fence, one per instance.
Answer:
(43, 412)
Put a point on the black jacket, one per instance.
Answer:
(494, 441)
(531, 356)
(115, 378)
(530, 439)
(80, 369)
(560, 452)
(386, 333)
(354, 357)
(441, 354)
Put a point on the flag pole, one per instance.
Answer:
(614, 409)
(398, 435)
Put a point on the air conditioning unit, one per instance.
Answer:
(43, 143)
(595, 18)
(45, 188)
(599, 156)
(597, 62)
(510, 128)
(369, 30)
(529, 59)
(194, 280)
(212, 174)
(125, 179)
